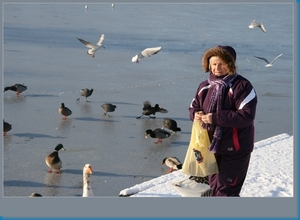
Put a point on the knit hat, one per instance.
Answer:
(226, 53)
(230, 50)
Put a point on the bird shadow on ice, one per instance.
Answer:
(36, 135)
(186, 132)
(179, 119)
(23, 183)
(88, 119)
(181, 143)
(86, 107)
(95, 119)
(135, 117)
(41, 95)
(51, 180)
(122, 103)
(15, 98)
(107, 174)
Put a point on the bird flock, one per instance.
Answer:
(169, 125)
(54, 162)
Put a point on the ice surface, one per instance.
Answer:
(41, 51)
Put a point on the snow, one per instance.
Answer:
(270, 175)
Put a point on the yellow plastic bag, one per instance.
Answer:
(203, 162)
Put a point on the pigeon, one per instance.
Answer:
(145, 53)
(173, 163)
(85, 93)
(53, 161)
(108, 107)
(253, 24)
(93, 47)
(149, 110)
(269, 64)
(171, 125)
(65, 111)
(18, 88)
(157, 133)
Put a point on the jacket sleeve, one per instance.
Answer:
(195, 104)
(245, 101)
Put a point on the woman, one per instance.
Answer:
(225, 103)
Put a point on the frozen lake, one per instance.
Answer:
(41, 51)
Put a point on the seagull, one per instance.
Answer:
(93, 47)
(253, 24)
(145, 53)
(269, 64)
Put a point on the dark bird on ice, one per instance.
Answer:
(85, 93)
(6, 127)
(149, 110)
(64, 111)
(108, 107)
(53, 161)
(157, 133)
(173, 163)
(18, 88)
(171, 125)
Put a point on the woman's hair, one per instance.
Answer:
(226, 53)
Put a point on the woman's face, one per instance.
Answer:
(217, 66)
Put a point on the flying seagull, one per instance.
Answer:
(269, 64)
(254, 24)
(93, 47)
(145, 53)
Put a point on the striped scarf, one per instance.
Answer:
(218, 86)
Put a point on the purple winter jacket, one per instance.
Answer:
(236, 117)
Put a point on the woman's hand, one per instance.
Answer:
(207, 119)
(198, 116)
